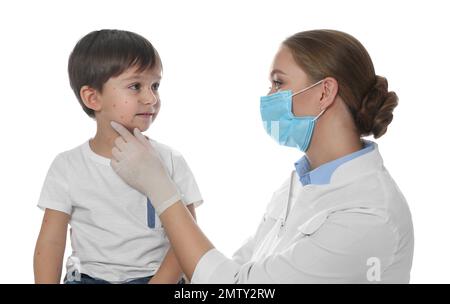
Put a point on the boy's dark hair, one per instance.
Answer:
(103, 54)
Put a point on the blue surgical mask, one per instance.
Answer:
(281, 124)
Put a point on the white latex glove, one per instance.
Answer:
(138, 164)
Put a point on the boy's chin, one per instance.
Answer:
(140, 128)
(131, 126)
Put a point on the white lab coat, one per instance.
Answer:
(356, 229)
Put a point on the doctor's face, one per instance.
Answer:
(286, 74)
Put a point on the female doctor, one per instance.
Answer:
(340, 217)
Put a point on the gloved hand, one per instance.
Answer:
(138, 164)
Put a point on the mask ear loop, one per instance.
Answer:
(320, 114)
(307, 88)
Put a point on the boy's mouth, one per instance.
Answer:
(145, 114)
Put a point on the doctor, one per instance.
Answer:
(339, 217)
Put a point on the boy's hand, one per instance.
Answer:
(138, 164)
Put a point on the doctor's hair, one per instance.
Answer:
(103, 54)
(330, 53)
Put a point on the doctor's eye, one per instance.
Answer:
(276, 84)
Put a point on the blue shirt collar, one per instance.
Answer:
(322, 174)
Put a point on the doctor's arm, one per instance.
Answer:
(337, 252)
(347, 248)
(138, 164)
(187, 239)
(170, 271)
(340, 251)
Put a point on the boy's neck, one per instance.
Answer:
(103, 142)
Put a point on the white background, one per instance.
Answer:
(216, 58)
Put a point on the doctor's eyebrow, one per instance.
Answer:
(277, 71)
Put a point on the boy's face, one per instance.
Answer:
(131, 99)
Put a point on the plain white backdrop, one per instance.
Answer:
(216, 58)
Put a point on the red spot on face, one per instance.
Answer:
(114, 105)
(126, 101)
(121, 116)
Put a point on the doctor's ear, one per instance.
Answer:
(90, 97)
(330, 88)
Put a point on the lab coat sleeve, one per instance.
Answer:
(245, 252)
(340, 251)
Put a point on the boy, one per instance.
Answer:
(116, 236)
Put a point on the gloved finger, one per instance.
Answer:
(117, 155)
(126, 135)
(120, 143)
(115, 165)
(141, 137)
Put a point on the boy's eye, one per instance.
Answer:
(155, 86)
(135, 86)
(138, 86)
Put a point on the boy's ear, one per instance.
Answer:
(90, 98)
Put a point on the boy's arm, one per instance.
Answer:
(50, 246)
(170, 271)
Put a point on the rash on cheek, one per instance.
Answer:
(121, 113)
(122, 117)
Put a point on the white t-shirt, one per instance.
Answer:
(115, 234)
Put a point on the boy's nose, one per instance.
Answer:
(149, 97)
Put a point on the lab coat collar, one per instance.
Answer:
(362, 165)
(346, 173)
(322, 174)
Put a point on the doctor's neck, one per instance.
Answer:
(335, 136)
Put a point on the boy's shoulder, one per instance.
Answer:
(71, 155)
(165, 150)
(77, 150)
(77, 154)
(171, 157)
